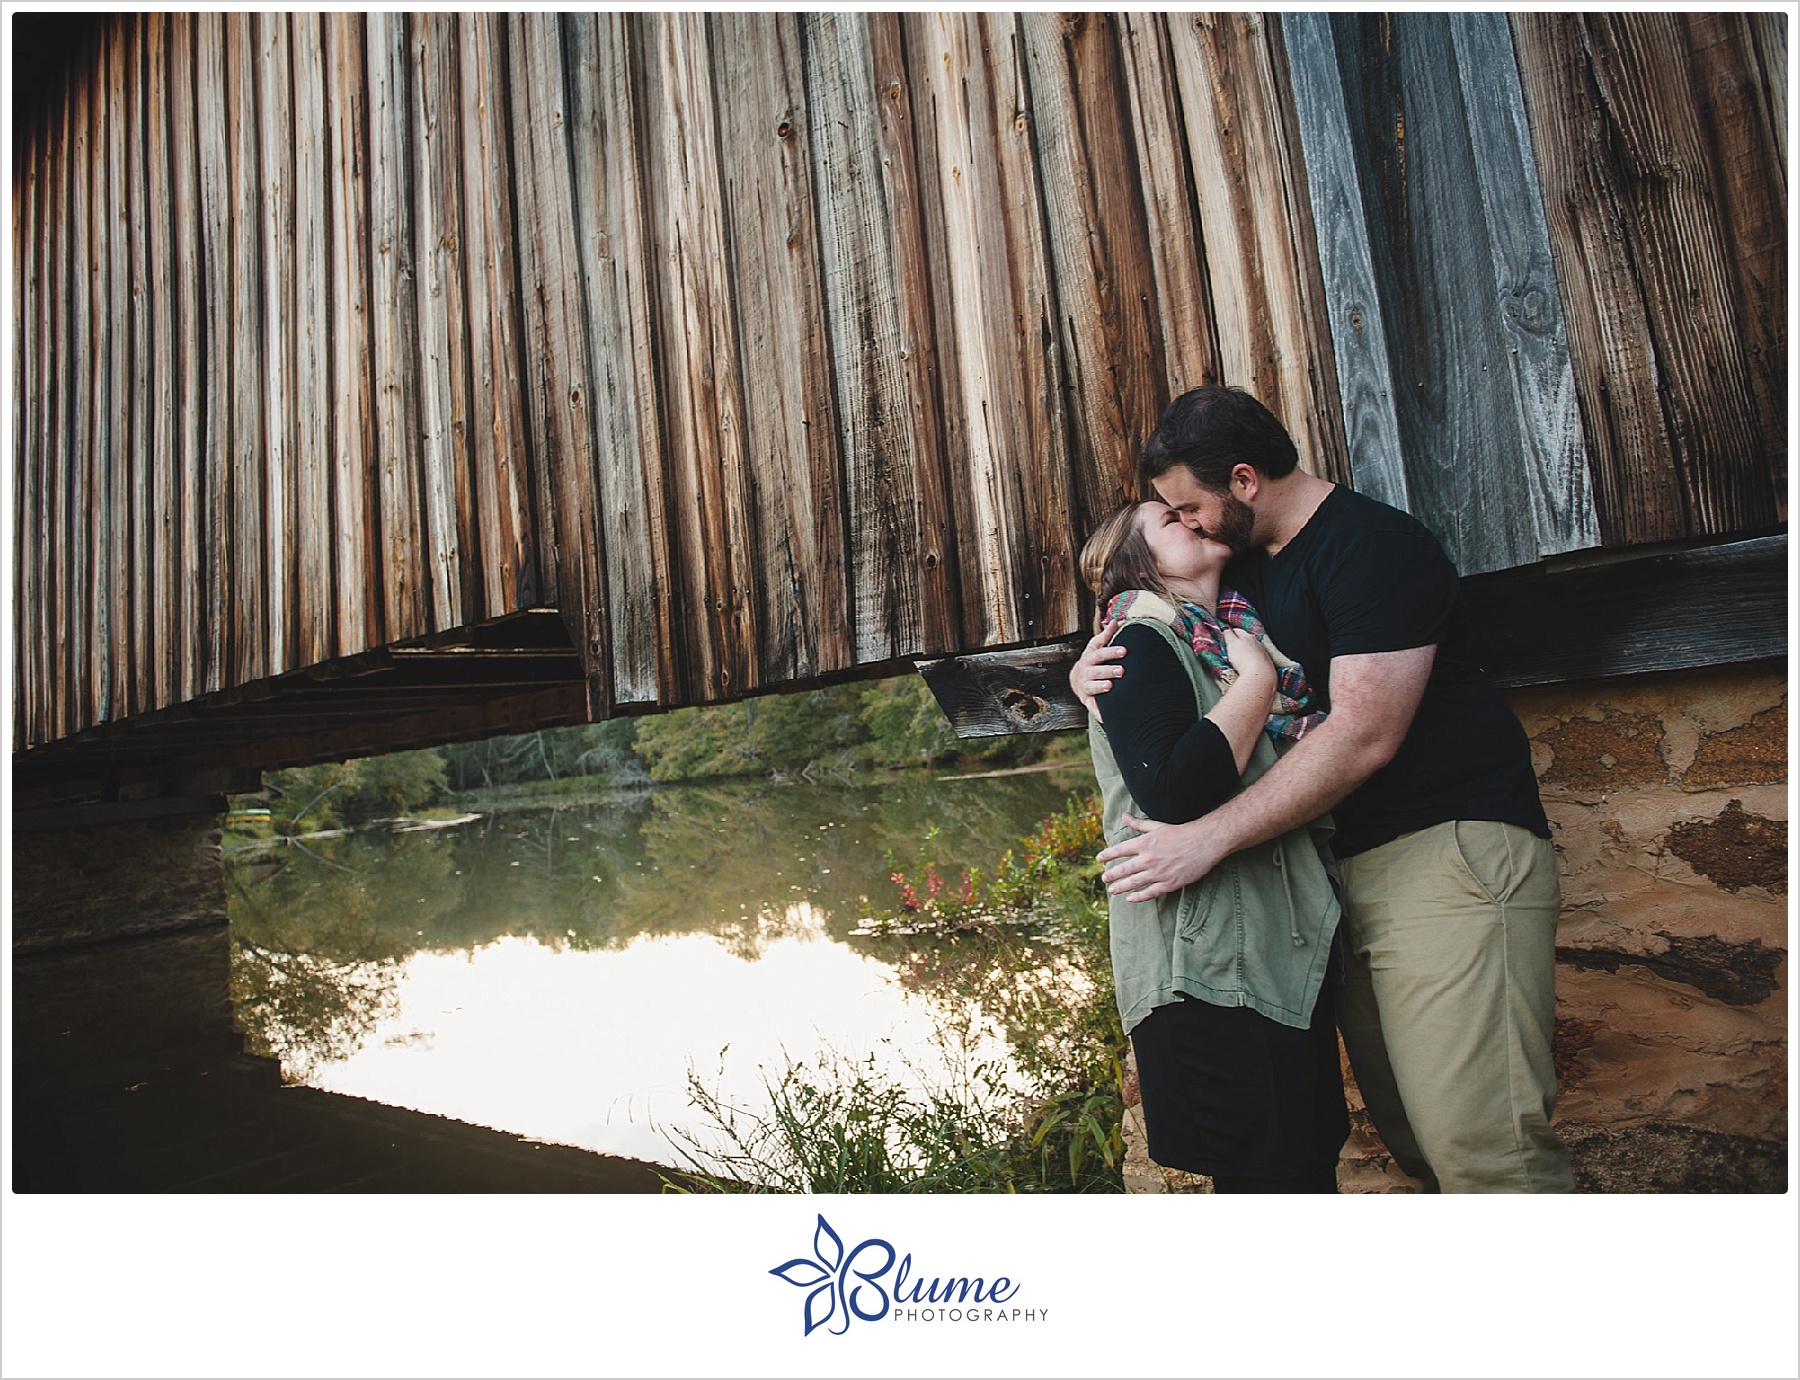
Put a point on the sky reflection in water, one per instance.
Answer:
(556, 973)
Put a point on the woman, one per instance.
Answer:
(1221, 986)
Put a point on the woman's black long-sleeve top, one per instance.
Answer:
(1176, 764)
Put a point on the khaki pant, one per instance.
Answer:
(1449, 1000)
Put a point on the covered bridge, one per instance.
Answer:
(384, 380)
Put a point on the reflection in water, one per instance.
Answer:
(556, 972)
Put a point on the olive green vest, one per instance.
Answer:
(1256, 931)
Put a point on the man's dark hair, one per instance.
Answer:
(1213, 429)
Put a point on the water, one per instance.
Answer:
(557, 972)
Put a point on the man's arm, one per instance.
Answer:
(1373, 699)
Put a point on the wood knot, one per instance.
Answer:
(1020, 705)
(784, 129)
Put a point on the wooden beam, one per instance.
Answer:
(994, 693)
(1585, 618)
(1591, 619)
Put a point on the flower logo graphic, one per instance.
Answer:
(838, 1289)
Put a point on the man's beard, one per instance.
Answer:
(1236, 526)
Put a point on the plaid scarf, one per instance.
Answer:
(1291, 713)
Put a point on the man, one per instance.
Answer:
(1450, 882)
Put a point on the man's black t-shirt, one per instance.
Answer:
(1362, 577)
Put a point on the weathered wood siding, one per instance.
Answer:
(767, 347)
(1661, 144)
(1454, 365)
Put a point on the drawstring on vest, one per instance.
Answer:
(1287, 887)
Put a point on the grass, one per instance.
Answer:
(839, 1126)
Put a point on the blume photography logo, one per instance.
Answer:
(855, 1284)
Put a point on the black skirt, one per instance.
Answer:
(1229, 1092)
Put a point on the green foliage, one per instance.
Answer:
(841, 1127)
(774, 734)
(906, 727)
(306, 799)
(381, 787)
(1058, 865)
(604, 750)
(301, 798)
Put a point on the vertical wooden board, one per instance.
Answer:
(1311, 323)
(1180, 291)
(117, 221)
(526, 262)
(1769, 41)
(246, 610)
(1026, 405)
(898, 128)
(166, 565)
(35, 630)
(1252, 214)
(280, 429)
(496, 424)
(556, 352)
(954, 93)
(30, 448)
(1100, 248)
(1210, 94)
(60, 382)
(1682, 245)
(932, 106)
(1555, 475)
(772, 255)
(1665, 389)
(56, 387)
(40, 539)
(1748, 174)
(1459, 425)
(85, 355)
(443, 352)
(1358, 331)
(865, 290)
(26, 461)
(216, 490)
(140, 513)
(1288, 251)
(311, 388)
(701, 373)
(393, 307)
(641, 616)
(354, 505)
(1631, 460)
(98, 462)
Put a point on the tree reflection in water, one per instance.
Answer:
(322, 938)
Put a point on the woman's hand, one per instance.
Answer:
(1244, 707)
(1250, 659)
(1098, 668)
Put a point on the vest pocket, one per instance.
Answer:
(1198, 902)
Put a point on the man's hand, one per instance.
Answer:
(1096, 671)
(1161, 859)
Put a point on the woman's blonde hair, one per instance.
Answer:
(1118, 557)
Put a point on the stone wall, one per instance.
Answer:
(1667, 798)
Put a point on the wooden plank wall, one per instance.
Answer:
(1451, 351)
(1660, 140)
(771, 346)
